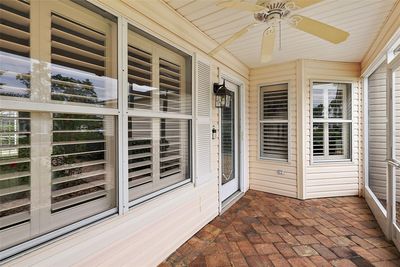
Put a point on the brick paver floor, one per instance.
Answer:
(263, 229)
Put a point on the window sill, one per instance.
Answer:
(160, 192)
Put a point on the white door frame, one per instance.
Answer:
(242, 143)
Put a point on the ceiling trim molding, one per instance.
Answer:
(160, 13)
(385, 37)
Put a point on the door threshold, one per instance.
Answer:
(227, 203)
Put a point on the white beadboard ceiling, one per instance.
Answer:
(361, 18)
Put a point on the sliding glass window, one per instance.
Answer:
(58, 116)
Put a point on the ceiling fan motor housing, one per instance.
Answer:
(274, 11)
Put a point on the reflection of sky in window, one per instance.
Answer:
(143, 88)
(105, 87)
(15, 63)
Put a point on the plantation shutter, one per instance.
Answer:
(140, 151)
(15, 168)
(78, 160)
(203, 122)
(139, 78)
(77, 47)
(274, 122)
(15, 49)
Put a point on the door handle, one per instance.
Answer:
(394, 162)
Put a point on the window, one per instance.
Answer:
(274, 122)
(331, 121)
(57, 143)
(160, 115)
(60, 112)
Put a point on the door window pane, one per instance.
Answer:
(228, 141)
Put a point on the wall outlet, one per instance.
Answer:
(280, 172)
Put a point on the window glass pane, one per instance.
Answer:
(339, 137)
(140, 151)
(318, 101)
(140, 78)
(53, 178)
(15, 64)
(274, 143)
(82, 161)
(15, 166)
(159, 75)
(331, 105)
(159, 154)
(274, 121)
(318, 139)
(275, 101)
(83, 57)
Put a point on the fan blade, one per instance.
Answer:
(319, 29)
(267, 46)
(305, 3)
(241, 5)
(231, 39)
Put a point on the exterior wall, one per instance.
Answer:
(333, 178)
(264, 173)
(151, 231)
(301, 178)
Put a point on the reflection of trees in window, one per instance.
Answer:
(318, 110)
(10, 83)
(15, 164)
(65, 88)
(336, 104)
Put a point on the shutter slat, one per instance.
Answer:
(274, 126)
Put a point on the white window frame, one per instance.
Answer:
(154, 114)
(326, 121)
(260, 121)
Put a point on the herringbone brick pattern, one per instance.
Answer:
(264, 229)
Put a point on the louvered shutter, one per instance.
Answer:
(15, 168)
(79, 159)
(15, 64)
(274, 125)
(140, 151)
(170, 86)
(203, 122)
(139, 78)
(78, 57)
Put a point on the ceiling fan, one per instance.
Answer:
(272, 13)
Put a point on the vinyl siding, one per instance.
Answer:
(264, 172)
(333, 178)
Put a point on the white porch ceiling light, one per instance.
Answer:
(272, 13)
